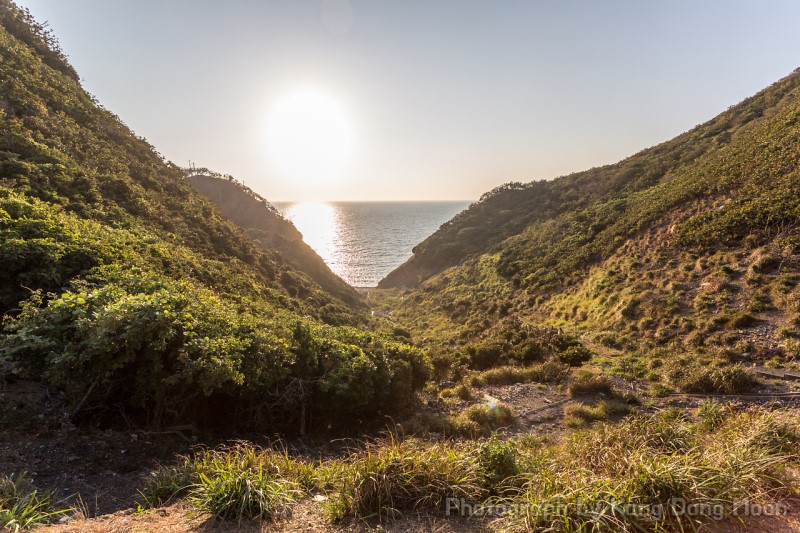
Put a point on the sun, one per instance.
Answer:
(309, 136)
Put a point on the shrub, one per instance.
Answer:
(575, 355)
(170, 351)
(529, 350)
(463, 426)
(441, 362)
(503, 375)
(425, 422)
(474, 421)
(609, 340)
(486, 354)
(460, 391)
(401, 333)
(551, 371)
(632, 309)
(498, 459)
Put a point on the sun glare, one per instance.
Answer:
(319, 224)
(310, 138)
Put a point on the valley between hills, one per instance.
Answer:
(612, 350)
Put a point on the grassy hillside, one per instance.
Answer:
(523, 381)
(689, 247)
(510, 209)
(125, 288)
(271, 231)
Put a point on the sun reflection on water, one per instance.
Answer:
(363, 241)
(319, 224)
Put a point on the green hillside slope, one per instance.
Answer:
(124, 287)
(271, 231)
(511, 208)
(688, 247)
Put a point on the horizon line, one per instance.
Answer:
(368, 201)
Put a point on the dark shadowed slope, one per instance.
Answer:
(271, 231)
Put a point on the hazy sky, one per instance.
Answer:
(444, 99)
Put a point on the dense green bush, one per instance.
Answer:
(40, 248)
(514, 343)
(498, 459)
(170, 340)
(171, 349)
(575, 355)
(486, 354)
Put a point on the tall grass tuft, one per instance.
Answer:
(393, 476)
(232, 493)
(579, 415)
(240, 482)
(734, 379)
(551, 371)
(590, 385)
(167, 483)
(23, 507)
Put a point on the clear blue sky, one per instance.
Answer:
(446, 99)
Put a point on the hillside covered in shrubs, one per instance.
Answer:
(582, 354)
(127, 290)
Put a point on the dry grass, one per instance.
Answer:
(590, 385)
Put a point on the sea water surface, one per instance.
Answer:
(364, 241)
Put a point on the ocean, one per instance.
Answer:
(364, 241)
